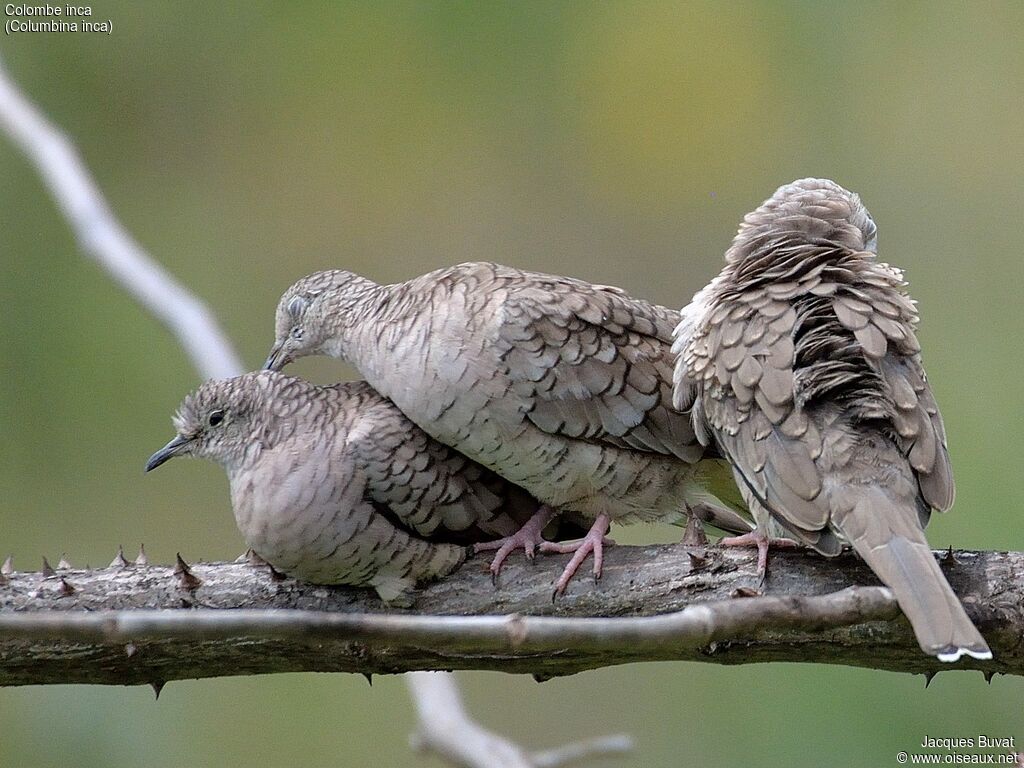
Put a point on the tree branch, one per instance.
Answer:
(654, 603)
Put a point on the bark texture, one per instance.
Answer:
(99, 626)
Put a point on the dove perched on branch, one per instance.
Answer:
(801, 363)
(560, 386)
(333, 485)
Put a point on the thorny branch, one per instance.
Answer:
(653, 603)
(102, 237)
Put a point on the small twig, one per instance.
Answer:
(617, 744)
(459, 740)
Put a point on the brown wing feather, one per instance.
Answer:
(593, 363)
(889, 317)
(766, 357)
(427, 487)
(749, 405)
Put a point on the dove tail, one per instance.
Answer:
(418, 561)
(904, 562)
(428, 561)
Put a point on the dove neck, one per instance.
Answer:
(285, 409)
(380, 328)
(369, 320)
(353, 316)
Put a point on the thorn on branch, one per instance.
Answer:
(142, 558)
(369, 678)
(64, 588)
(157, 686)
(949, 558)
(120, 561)
(254, 559)
(929, 676)
(186, 579)
(48, 572)
(698, 560)
(8, 567)
(249, 557)
(694, 535)
(64, 564)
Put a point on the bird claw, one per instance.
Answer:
(528, 537)
(762, 541)
(594, 542)
(559, 548)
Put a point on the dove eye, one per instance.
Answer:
(216, 417)
(297, 333)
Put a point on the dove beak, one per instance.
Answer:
(277, 359)
(176, 447)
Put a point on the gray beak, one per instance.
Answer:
(277, 359)
(176, 447)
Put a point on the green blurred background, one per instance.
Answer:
(247, 145)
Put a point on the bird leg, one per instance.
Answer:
(762, 541)
(529, 537)
(594, 542)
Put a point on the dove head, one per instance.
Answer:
(815, 212)
(221, 421)
(313, 315)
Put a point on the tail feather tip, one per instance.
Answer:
(952, 654)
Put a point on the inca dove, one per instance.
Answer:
(333, 485)
(560, 386)
(801, 363)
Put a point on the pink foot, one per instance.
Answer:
(594, 542)
(528, 537)
(762, 542)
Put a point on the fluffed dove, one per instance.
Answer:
(333, 485)
(801, 363)
(561, 386)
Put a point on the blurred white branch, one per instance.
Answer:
(459, 740)
(102, 237)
